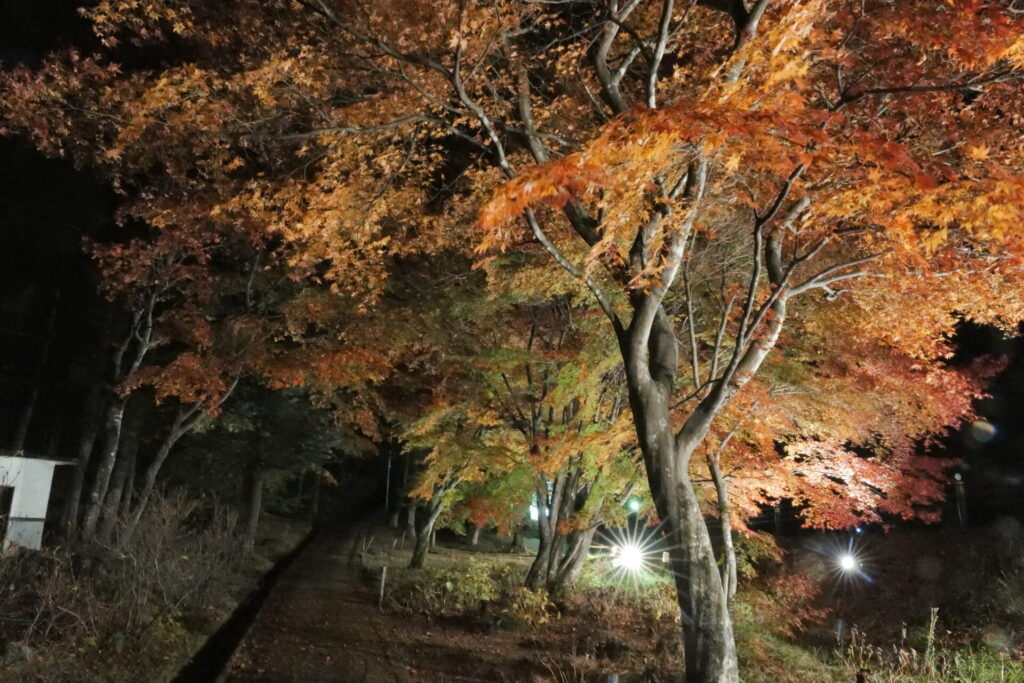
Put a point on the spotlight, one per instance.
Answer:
(634, 505)
(847, 562)
(629, 557)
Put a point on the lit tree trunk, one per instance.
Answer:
(572, 562)
(474, 535)
(107, 456)
(139, 337)
(85, 445)
(178, 429)
(729, 579)
(548, 505)
(185, 419)
(425, 529)
(125, 457)
(710, 651)
(253, 498)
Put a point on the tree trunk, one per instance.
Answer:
(125, 457)
(518, 545)
(253, 498)
(177, 430)
(572, 562)
(410, 519)
(474, 536)
(710, 650)
(25, 418)
(729, 579)
(129, 485)
(425, 531)
(314, 500)
(74, 500)
(107, 456)
(548, 509)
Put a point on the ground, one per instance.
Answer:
(325, 620)
(323, 623)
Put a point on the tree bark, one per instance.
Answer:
(572, 562)
(129, 485)
(710, 651)
(424, 531)
(125, 457)
(253, 499)
(74, 500)
(314, 500)
(729, 579)
(178, 429)
(518, 544)
(474, 536)
(108, 454)
(410, 519)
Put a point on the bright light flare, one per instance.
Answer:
(629, 557)
(634, 554)
(845, 558)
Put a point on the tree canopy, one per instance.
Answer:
(765, 219)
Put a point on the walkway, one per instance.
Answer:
(321, 623)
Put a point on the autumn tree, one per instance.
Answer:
(559, 395)
(831, 180)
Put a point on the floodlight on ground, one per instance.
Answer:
(847, 562)
(629, 557)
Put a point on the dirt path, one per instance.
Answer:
(321, 623)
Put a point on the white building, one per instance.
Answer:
(24, 496)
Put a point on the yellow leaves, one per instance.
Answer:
(978, 152)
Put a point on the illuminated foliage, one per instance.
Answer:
(781, 207)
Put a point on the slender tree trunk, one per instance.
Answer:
(518, 545)
(107, 456)
(56, 432)
(572, 562)
(153, 469)
(25, 418)
(314, 500)
(410, 519)
(126, 454)
(129, 484)
(474, 536)
(424, 532)
(548, 509)
(74, 500)
(253, 498)
(729, 579)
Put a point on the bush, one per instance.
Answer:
(528, 609)
(76, 605)
(445, 590)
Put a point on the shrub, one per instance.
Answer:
(77, 605)
(445, 590)
(528, 609)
